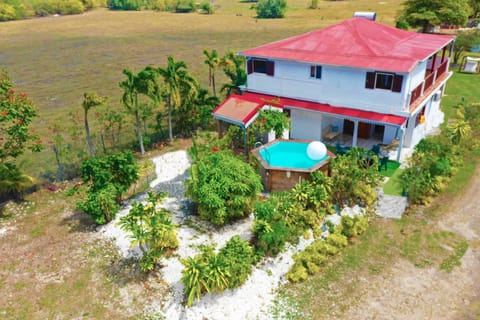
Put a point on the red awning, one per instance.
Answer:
(237, 109)
(324, 108)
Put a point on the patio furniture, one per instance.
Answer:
(330, 132)
(376, 149)
(383, 163)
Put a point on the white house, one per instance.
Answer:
(358, 77)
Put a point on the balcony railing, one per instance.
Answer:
(429, 81)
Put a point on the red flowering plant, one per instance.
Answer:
(16, 114)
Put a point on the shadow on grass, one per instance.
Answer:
(79, 221)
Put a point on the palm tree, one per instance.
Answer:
(178, 82)
(212, 61)
(130, 101)
(206, 103)
(233, 66)
(91, 100)
(12, 180)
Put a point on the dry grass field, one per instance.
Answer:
(56, 59)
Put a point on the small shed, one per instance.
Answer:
(470, 65)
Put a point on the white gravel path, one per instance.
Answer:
(253, 300)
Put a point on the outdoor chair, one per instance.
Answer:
(376, 149)
(383, 163)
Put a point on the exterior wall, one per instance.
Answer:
(282, 180)
(389, 134)
(305, 125)
(417, 76)
(340, 86)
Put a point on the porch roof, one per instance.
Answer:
(239, 110)
(281, 102)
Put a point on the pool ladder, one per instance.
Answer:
(258, 144)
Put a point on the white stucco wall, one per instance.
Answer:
(339, 86)
(305, 125)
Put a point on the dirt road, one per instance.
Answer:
(408, 292)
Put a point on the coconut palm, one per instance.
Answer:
(13, 180)
(90, 100)
(212, 61)
(130, 101)
(178, 83)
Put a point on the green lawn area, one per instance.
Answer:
(393, 186)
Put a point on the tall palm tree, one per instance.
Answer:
(212, 61)
(130, 101)
(90, 100)
(178, 81)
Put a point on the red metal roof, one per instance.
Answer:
(358, 43)
(241, 109)
(238, 109)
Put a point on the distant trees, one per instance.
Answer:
(212, 60)
(90, 100)
(234, 68)
(464, 42)
(430, 13)
(271, 9)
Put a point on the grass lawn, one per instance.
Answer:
(393, 186)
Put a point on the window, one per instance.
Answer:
(316, 72)
(260, 66)
(420, 119)
(384, 80)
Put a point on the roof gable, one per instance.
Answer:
(356, 42)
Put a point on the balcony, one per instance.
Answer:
(428, 85)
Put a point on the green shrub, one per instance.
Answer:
(151, 229)
(91, 4)
(207, 8)
(337, 240)
(355, 226)
(125, 4)
(297, 273)
(210, 272)
(271, 9)
(48, 7)
(184, 6)
(223, 186)
(7, 12)
(12, 180)
(101, 204)
(237, 255)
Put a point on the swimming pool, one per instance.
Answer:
(288, 154)
(284, 163)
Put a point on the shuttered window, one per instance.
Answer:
(384, 80)
(370, 80)
(397, 83)
(260, 66)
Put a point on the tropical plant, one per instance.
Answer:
(234, 67)
(101, 204)
(195, 278)
(223, 186)
(237, 256)
(272, 120)
(17, 112)
(130, 101)
(90, 100)
(179, 85)
(12, 180)
(207, 8)
(151, 228)
(212, 60)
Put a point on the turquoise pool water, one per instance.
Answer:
(289, 154)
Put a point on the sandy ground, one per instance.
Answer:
(407, 292)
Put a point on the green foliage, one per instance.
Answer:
(354, 177)
(433, 162)
(119, 170)
(234, 67)
(272, 120)
(430, 13)
(151, 228)
(453, 260)
(184, 6)
(108, 178)
(48, 7)
(17, 112)
(401, 23)
(353, 226)
(223, 186)
(206, 7)
(271, 9)
(125, 4)
(211, 272)
(101, 204)
(337, 240)
(464, 42)
(12, 180)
